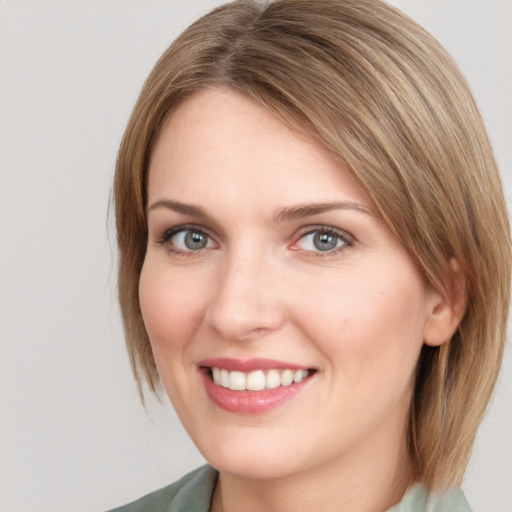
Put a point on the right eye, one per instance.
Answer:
(187, 239)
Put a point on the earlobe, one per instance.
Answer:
(446, 309)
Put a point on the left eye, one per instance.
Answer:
(190, 240)
(322, 241)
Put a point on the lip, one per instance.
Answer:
(248, 365)
(249, 402)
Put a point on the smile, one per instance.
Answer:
(252, 386)
(257, 380)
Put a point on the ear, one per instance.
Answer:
(446, 309)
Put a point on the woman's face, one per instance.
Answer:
(266, 263)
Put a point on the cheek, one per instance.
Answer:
(371, 324)
(171, 305)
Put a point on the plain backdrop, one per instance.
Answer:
(73, 433)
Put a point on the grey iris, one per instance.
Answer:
(325, 241)
(195, 241)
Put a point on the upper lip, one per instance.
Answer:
(249, 365)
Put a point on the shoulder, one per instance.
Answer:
(192, 493)
(419, 499)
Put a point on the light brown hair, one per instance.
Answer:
(390, 104)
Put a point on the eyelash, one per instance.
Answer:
(346, 239)
(165, 238)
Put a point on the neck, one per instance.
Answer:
(369, 478)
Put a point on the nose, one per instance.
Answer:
(247, 301)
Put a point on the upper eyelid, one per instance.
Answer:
(192, 216)
(342, 233)
(186, 227)
(166, 234)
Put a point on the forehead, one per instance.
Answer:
(222, 143)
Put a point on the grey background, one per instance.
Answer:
(73, 433)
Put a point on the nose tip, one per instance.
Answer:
(245, 304)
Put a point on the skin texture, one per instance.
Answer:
(260, 288)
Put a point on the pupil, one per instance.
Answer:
(195, 240)
(324, 241)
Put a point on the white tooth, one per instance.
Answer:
(224, 378)
(287, 377)
(255, 381)
(216, 376)
(237, 381)
(273, 379)
(298, 376)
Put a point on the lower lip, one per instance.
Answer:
(251, 402)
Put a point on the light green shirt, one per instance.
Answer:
(194, 491)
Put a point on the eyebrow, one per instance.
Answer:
(301, 211)
(186, 209)
(284, 214)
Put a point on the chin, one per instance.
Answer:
(254, 461)
(252, 468)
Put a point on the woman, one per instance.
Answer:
(307, 210)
